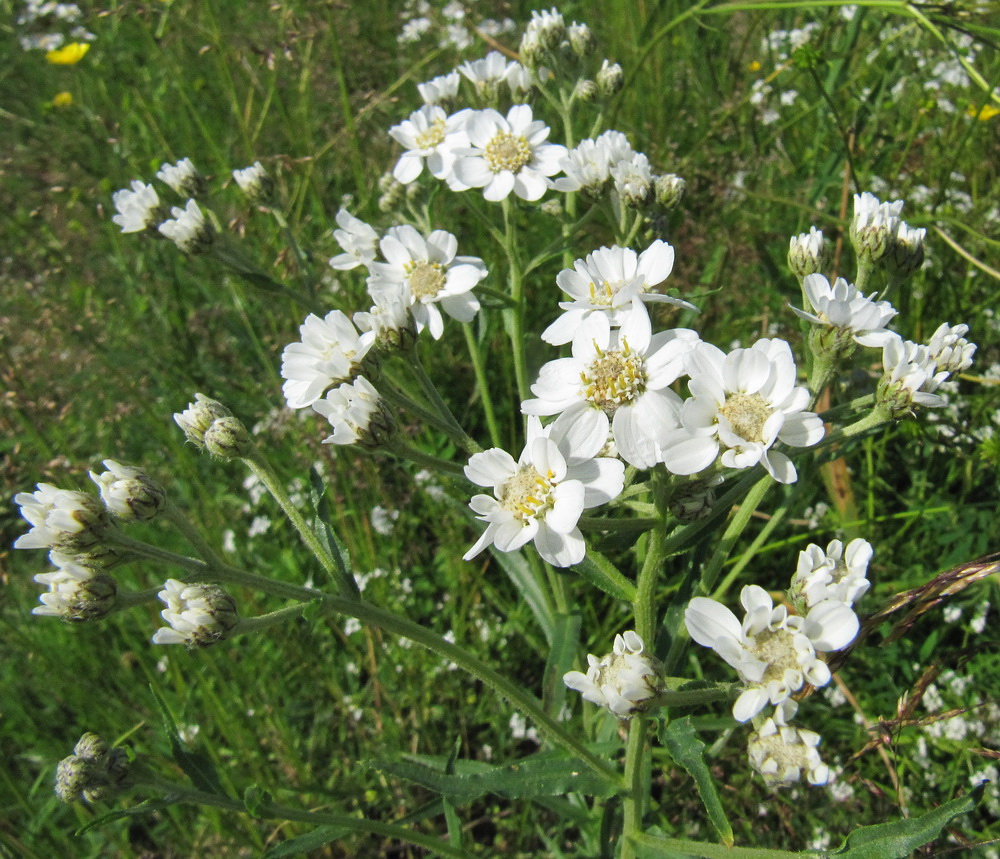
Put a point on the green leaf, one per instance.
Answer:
(147, 807)
(518, 570)
(326, 535)
(319, 837)
(898, 839)
(532, 777)
(686, 749)
(254, 797)
(197, 766)
(562, 656)
(649, 845)
(601, 573)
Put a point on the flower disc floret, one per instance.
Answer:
(625, 681)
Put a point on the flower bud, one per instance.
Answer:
(581, 39)
(906, 251)
(188, 229)
(358, 415)
(669, 190)
(94, 771)
(199, 615)
(77, 593)
(873, 227)
(610, 78)
(62, 519)
(90, 747)
(129, 493)
(950, 350)
(183, 177)
(808, 253)
(626, 681)
(227, 438)
(586, 90)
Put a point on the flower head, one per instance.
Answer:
(441, 89)
(741, 404)
(129, 493)
(624, 681)
(199, 615)
(949, 349)
(808, 253)
(542, 495)
(430, 137)
(76, 592)
(841, 306)
(606, 282)
(773, 652)
(617, 381)
(634, 182)
(358, 239)
(62, 519)
(390, 319)
(486, 74)
(331, 351)
(783, 754)
(138, 209)
(93, 772)
(911, 377)
(255, 183)
(183, 177)
(833, 573)
(508, 154)
(188, 229)
(874, 226)
(430, 274)
(67, 55)
(358, 415)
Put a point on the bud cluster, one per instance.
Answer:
(93, 772)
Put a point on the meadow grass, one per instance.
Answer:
(106, 335)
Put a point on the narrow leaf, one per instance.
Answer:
(687, 750)
(327, 536)
(254, 797)
(898, 839)
(601, 573)
(530, 778)
(147, 807)
(519, 572)
(319, 837)
(197, 766)
(562, 657)
(649, 846)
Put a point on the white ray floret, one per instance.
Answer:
(430, 138)
(837, 572)
(624, 681)
(842, 306)
(138, 209)
(358, 239)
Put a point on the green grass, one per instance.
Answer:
(105, 335)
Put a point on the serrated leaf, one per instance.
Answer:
(601, 573)
(147, 807)
(519, 572)
(319, 837)
(197, 766)
(530, 778)
(898, 839)
(687, 750)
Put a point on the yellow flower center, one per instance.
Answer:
(613, 378)
(528, 494)
(747, 414)
(778, 651)
(426, 279)
(507, 152)
(432, 136)
(603, 294)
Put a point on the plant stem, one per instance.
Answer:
(391, 392)
(515, 315)
(636, 765)
(732, 533)
(482, 385)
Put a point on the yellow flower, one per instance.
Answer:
(754, 66)
(68, 55)
(987, 111)
(62, 99)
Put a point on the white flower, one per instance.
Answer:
(911, 377)
(587, 168)
(254, 182)
(633, 180)
(129, 493)
(617, 380)
(542, 495)
(389, 319)
(741, 404)
(949, 349)
(808, 253)
(357, 413)
(199, 615)
(188, 229)
(773, 652)
(429, 136)
(182, 177)
(624, 680)
(358, 239)
(138, 209)
(606, 282)
(439, 89)
(781, 754)
(874, 225)
(331, 351)
(76, 592)
(430, 273)
(508, 154)
(833, 573)
(61, 519)
(842, 306)
(486, 74)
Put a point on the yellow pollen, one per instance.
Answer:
(603, 295)
(507, 152)
(426, 279)
(528, 494)
(432, 136)
(613, 378)
(747, 414)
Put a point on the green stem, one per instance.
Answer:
(482, 385)
(432, 393)
(635, 780)
(408, 451)
(737, 525)
(300, 257)
(262, 621)
(262, 469)
(515, 314)
(176, 516)
(270, 811)
(391, 392)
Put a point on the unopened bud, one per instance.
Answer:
(610, 78)
(199, 615)
(906, 252)
(809, 253)
(227, 438)
(581, 39)
(94, 771)
(586, 90)
(669, 190)
(129, 493)
(255, 183)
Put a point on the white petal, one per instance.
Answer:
(710, 622)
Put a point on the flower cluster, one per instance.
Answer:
(625, 681)
(776, 652)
